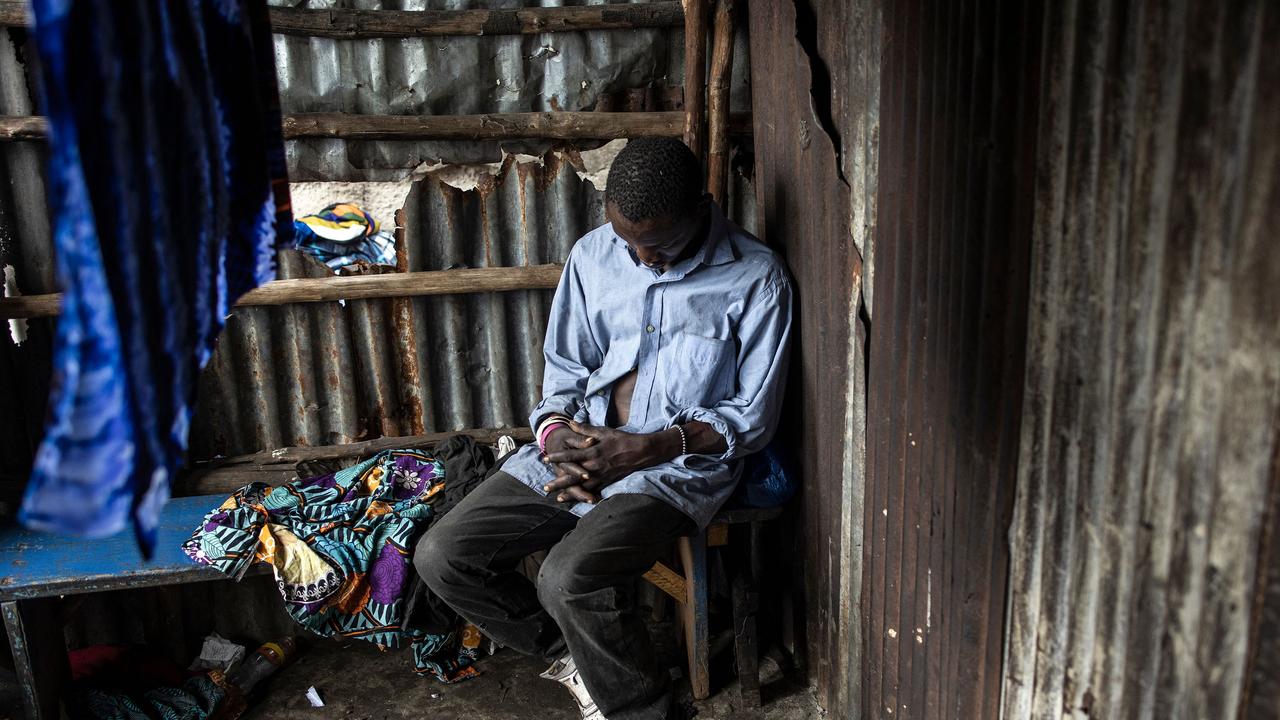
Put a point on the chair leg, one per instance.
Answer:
(693, 557)
(39, 654)
(745, 604)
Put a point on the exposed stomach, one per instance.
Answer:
(620, 407)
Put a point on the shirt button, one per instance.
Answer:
(649, 328)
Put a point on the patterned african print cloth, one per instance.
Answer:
(341, 548)
(169, 197)
(342, 235)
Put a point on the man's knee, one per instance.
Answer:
(556, 579)
(432, 557)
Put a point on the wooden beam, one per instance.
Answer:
(555, 125)
(364, 24)
(275, 467)
(667, 580)
(23, 127)
(13, 14)
(31, 306)
(411, 284)
(341, 24)
(695, 76)
(348, 287)
(718, 102)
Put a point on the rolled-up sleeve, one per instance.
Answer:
(570, 350)
(749, 418)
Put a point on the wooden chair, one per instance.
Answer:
(690, 589)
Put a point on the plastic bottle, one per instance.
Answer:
(270, 657)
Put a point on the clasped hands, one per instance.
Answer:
(588, 458)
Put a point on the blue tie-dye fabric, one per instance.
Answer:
(169, 198)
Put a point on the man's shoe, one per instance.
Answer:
(565, 672)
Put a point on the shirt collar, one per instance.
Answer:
(718, 250)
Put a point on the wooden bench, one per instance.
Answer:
(37, 569)
(690, 590)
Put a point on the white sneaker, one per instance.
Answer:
(565, 672)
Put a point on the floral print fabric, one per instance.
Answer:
(340, 546)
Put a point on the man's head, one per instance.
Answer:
(655, 201)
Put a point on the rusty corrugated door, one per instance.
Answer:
(957, 147)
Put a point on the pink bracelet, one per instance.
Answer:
(546, 432)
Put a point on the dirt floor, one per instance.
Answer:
(359, 683)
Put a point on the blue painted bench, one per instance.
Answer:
(38, 569)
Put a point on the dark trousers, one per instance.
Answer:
(584, 595)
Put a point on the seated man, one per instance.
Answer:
(666, 353)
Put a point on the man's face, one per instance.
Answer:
(658, 242)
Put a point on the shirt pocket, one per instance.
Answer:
(699, 371)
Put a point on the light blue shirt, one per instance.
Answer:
(708, 338)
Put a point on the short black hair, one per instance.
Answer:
(654, 177)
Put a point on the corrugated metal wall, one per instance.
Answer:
(816, 88)
(325, 373)
(24, 245)
(1153, 382)
(315, 374)
(953, 219)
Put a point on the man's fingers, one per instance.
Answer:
(591, 431)
(580, 442)
(567, 474)
(575, 493)
(559, 457)
(574, 469)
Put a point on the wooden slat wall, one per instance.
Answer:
(1153, 384)
(957, 145)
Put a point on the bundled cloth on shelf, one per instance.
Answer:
(169, 199)
(341, 544)
(342, 235)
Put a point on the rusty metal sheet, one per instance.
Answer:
(1153, 380)
(808, 210)
(955, 178)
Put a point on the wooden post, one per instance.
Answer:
(695, 76)
(718, 103)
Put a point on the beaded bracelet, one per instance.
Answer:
(684, 439)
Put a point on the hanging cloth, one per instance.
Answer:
(169, 198)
